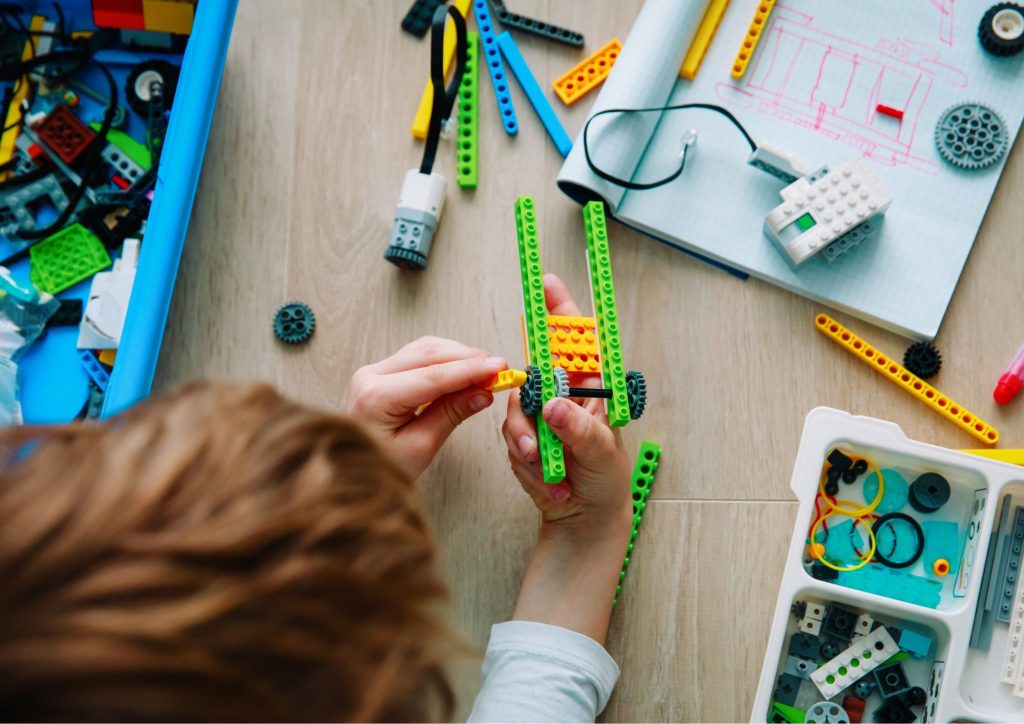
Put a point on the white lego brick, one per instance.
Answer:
(815, 610)
(859, 660)
(777, 162)
(1015, 638)
(863, 625)
(105, 311)
(840, 201)
(810, 626)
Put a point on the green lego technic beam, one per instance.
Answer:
(640, 487)
(535, 310)
(606, 315)
(467, 149)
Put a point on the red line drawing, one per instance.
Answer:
(945, 8)
(833, 85)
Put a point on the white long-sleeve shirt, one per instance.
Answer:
(535, 672)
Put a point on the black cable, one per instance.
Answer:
(625, 183)
(444, 98)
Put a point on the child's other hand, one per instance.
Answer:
(385, 396)
(596, 485)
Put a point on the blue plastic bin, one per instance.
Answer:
(51, 367)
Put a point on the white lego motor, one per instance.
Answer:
(419, 210)
(818, 212)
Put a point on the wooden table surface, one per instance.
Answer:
(306, 157)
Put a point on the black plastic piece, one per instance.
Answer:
(923, 360)
(838, 459)
(805, 646)
(832, 487)
(863, 688)
(601, 393)
(839, 622)
(68, 314)
(990, 41)
(821, 572)
(929, 493)
(406, 258)
(417, 20)
(914, 696)
(860, 467)
(636, 392)
(914, 525)
(294, 323)
(788, 688)
(536, 27)
(894, 710)
(891, 680)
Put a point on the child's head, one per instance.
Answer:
(219, 553)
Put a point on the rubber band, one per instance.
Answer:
(864, 560)
(854, 512)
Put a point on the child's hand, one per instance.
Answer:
(386, 396)
(596, 484)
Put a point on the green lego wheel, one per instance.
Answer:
(294, 323)
(531, 394)
(636, 390)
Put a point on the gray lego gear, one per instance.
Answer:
(826, 711)
(971, 136)
(561, 382)
(636, 390)
(531, 394)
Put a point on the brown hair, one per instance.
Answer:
(219, 553)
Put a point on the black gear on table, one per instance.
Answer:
(405, 258)
(923, 360)
(1001, 30)
(294, 323)
(531, 394)
(636, 391)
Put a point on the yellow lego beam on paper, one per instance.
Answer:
(421, 122)
(751, 39)
(702, 40)
(9, 137)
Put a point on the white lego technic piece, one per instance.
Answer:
(863, 625)
(419, 210)
(778, 163)
(812, 216)
(810, 626)
(815, 611)
(1015, 638)
(860, 659)
(105, 311)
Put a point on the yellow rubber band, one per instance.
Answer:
(864, 560)
(854, 512)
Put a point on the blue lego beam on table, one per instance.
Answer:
(536, 96)
(492, 57)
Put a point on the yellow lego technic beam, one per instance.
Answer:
(584, 77)
(896, 373)
(14, 110)
(421, 122)
(751, 39)
(702, 40)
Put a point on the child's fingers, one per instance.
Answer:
(520, 432)
(402, 393)
(590, 440)
(428, 432)
(558, 298)
(424, 352)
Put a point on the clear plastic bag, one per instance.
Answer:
(21, 323)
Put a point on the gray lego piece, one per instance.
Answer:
(19, 200)
(799, 667)
(123, 165)
(787, 690)
(850, 240)
(413, 230)
(1006, 581)
(984, 622)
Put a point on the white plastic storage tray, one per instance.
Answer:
(962, 682)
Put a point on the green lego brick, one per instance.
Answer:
(467, 149)
(66, 258)
(613, 371)
(552, 457)
(789, 713)
(640, 488)
(131, 148)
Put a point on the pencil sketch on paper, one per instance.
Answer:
(834, 85)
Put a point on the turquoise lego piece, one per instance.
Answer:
(893, 583)
(606, 315)
(897, 491)
(842, 542)
(533, 92)
(552, 457)
(640, 485)
(917, 645)
(940, 541)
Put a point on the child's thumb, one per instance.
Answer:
(578, 429)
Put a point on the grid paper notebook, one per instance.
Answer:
(811, 89)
